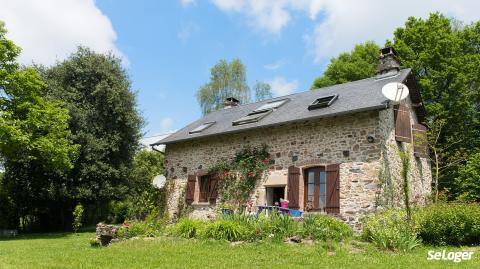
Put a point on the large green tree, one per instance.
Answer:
(445, 57)
(35, 143)
(357, 64)
(103, 121)
(226, 80)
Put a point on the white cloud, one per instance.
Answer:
(166, 124)
(350, 22)
(280, 86)
(273, 66)
(50, 30)
(270, 15)
(346, 22)
(187, 3)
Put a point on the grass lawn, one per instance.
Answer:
(74, 251)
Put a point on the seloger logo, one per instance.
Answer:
(450, 256)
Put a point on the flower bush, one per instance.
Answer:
(390, 230)
(240, 175)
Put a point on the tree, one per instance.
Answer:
(103, 120)
(358, 64)
(263, 91)
(226, 80)
(144, 197)
(445, 57)
(468, 180)
(35, 143)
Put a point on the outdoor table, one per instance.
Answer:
(270, 208)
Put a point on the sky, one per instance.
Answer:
(168, 47)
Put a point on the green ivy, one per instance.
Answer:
(240, 175)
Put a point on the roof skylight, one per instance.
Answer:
(252, 117)
(322, 102)
(202, 127)
(271, 105)
(260, 112)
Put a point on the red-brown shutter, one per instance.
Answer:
(190, 189)
(213, 189)
(293, 187)
(420, 145)
(403, 132)
(333, 188)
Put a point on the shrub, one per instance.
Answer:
(323, 227)
(277, 225)
(77, 217)
(150, 228)
(390, 230)
(450, 224)
(225, 230)
(187, 228)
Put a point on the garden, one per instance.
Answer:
(241, 241)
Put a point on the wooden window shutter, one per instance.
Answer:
(213, 189)
(333, 188)
(403, 132)
(420, 145)
(190, 189)
(293, 187)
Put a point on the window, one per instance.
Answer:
(202, 127)
(260, 112)
(252, 117)
(323, 102)
(207, 189)
(271, 105)
(316, 189)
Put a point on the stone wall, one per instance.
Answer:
(341, 139)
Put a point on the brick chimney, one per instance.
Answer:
(230, 102)
(388, 62)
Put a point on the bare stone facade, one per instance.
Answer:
(362, 143)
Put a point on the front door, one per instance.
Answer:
(315, 189)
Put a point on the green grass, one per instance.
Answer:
(74, 251)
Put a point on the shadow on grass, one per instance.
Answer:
(30, 236)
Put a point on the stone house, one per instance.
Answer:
(334, 149)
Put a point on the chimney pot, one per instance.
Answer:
(388, 62)
(230, 102)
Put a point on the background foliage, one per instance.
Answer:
(444, 55)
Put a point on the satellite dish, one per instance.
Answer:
(159, 181)
(395, 91)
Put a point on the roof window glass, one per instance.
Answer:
(202, 127)
(322, 102)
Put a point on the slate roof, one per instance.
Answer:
(356, 96)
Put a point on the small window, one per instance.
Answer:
(252, 117)
(202, 127)
(323, 102)
(260, 112)
(271, 105)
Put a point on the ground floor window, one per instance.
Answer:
(207, 186)
(315, 189)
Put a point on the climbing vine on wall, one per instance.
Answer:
(239, 176)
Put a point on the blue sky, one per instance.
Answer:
(171, 48)
(168, 47)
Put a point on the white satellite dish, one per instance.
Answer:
(159, 181)
(395, 91)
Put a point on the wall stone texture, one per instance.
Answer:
(342, 139)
